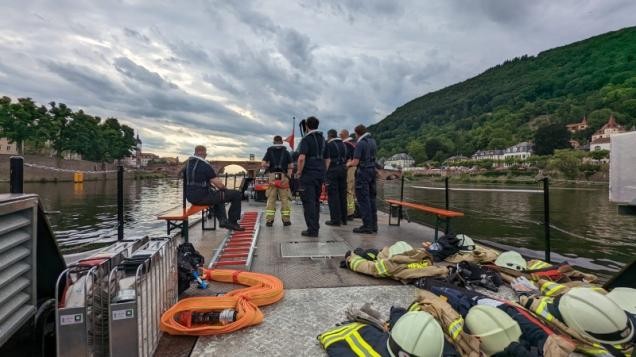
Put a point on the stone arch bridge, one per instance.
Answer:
(250, 166)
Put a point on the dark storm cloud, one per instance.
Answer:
(230, 74)
(140, 74)
(85, 78)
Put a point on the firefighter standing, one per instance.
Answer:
(335, 160)
(351, 173)
(278, 163)
(364, 160)
(311, 172)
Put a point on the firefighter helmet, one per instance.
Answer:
(595, 316)
(495, 329)
(625, 298)
(416, 333)
(511, 260)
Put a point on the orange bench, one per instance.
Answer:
(441, 215)
(178, 218)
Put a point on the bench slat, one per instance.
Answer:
(437, 211)
(180, 214)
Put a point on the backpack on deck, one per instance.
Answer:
(188, 261)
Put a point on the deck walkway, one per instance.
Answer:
(317, 290)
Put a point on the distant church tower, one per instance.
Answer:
(138, 151)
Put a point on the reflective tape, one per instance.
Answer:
(542, 310)
(415, 307)
(381, 268)
(359, 346)
(539, 264)
(551, 288)
(419, 265)
(355, 262)
(455, 328)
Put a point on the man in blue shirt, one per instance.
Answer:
(204, 188)
(364, 160)
(311, 172)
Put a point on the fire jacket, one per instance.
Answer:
(416, 263)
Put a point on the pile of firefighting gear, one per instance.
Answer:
(558, 311)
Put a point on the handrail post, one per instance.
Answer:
(546, 217)
(226, 179)
(16, 174)
(446, 202)
(120, 203)
(401, 198)
(183, 192)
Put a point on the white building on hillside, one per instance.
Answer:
(495, 155)
(520, 151)
(400, 161)
(601, 138)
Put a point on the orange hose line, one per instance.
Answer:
(262, 289)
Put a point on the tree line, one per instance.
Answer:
(59, 128)
(508, 103)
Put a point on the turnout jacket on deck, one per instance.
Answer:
(413, 264)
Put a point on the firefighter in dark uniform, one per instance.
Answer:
(278, 163)
(351, 174)
(204, 188)
(364, 160)
(311, 172)
(335, 160)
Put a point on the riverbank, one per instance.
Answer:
(506, 179)
(43, 169)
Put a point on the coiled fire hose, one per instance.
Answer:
(263, 289)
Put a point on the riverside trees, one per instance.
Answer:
(63, 130)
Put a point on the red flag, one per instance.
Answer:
(290, 139)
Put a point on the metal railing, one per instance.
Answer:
(447, 189)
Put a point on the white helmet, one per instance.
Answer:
(625, 298)
(511, 260)
(496, 329)
(398, 248)
(416, 333)
(465, 242)
(595, 316)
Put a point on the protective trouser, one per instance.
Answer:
(351, 190)
(310, 196)
(366, 193)
(336, 191)
(283, 193)
(354, 339)
(217, 200)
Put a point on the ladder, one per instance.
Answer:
(237, 248)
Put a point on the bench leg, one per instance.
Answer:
(391, 208)
(447, 225)
(203, 218)
(185, 227)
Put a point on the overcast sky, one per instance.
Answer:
(231, 74)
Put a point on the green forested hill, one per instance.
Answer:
(505, 104)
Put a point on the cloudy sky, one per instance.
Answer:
(230, 74)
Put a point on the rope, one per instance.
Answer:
(37, 166)
(263, 289)
(478, 189)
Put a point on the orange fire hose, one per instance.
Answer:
(263, 289)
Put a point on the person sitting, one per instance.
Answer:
(204, 188)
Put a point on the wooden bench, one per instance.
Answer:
(177, 218)
(441, 215)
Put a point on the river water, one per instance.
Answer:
(586, 228)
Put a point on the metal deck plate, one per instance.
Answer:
(330, 248)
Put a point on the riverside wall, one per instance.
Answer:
(32, 174)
